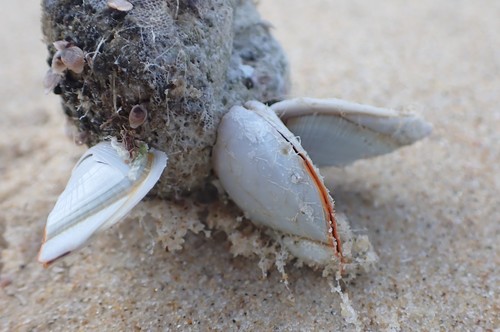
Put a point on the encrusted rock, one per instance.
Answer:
(187, 62)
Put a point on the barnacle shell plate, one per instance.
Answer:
(102, 189)
(261, 165)
(337, 132)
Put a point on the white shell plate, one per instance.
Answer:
(101, 191)
(258, 165)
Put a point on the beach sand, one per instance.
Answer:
(431, 210)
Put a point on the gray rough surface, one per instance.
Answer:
(430, 210)
(184, 64)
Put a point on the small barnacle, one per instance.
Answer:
(121, 5)
(58, 66)
(68, 56)
(137, 116)
(51, 80)
(73, 58)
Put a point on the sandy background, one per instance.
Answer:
(431, 210)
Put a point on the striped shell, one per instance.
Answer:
(102, 189)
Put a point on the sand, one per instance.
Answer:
(431, 210)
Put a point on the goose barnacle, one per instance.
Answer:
(191, 64)
(102, 189)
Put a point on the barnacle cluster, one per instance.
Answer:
(186, 62)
